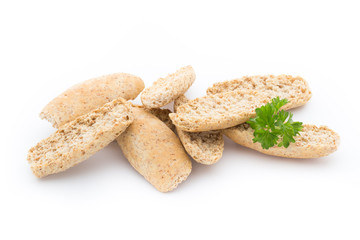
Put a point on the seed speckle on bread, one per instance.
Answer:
(166, 90)
(313, 142)
(203, 147)
(155, 151)
(79, 139)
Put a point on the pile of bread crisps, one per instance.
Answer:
(158, 143)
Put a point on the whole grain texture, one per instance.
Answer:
(218, 111)
(155, 151)
(295, 89)
(89, 95)
(166, 90)
(77, 140)
(203, 147)
(313, 142)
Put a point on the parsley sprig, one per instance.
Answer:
(273, 126)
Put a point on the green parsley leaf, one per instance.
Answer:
(273, 126)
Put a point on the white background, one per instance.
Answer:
(45, 47)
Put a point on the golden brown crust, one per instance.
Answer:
(313, 142)
(89, 95)
(77, 140)
(155, 151)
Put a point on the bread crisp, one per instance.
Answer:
(203, 147)
(294, 89)
(89, 95)
(77, 140)
(166, 90)
(155, 151)
(313, 142)
(218, 111)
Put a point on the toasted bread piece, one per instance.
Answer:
(166, 90)
(155, 151)
(295, 89)
(218, 111)
(313, 142)
(203, 147)
(89, 95)
(77, 140)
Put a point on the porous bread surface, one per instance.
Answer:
(163, 115)
(218, 111)
(181, 100)
(295, 89)
(77, 140)
(166, 90)
(204, 147)
(155, 151)
(89, 95)
(313, 141)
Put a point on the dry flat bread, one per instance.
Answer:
(89, 95)
(222, 108)
(295, 89)
(79, 139)
(166, 90)
(218, 111)
(313, 142)
(203, 147)
(155, 151)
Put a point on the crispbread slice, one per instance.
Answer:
(89, 95)
(295, 89)
(203, 147)
(313, 142)
(155, 151)
(218, 111)
(77, 140)
(166, 90)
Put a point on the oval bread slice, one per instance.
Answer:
(295, 89)
(166, 90)
(155, 151)
(89, 95)
(218, 111)
(79, 139)
(203, 147)
(313, 142)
